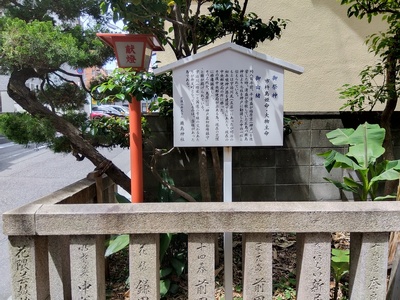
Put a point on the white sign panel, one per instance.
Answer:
(228, 99)
(130, 54)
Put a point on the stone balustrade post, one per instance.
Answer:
(313, 266)
(144, 266)
(257, 284)
(368, 265)
(29, 267)
(87, 267)
(201, 256)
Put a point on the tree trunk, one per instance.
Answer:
(28, 101)
(391, 103)
(204, 182)
(218, 174)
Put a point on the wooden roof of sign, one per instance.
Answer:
(230, 47)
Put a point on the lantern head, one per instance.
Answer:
(132, 50)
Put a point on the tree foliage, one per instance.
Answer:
(125, 83)
(58, 98)
(45, 47)
(25, 129)
(65, 11)
(184, 26)
(38, 38)
(380, 82)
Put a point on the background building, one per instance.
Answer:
(322, 39)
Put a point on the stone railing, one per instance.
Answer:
(57, 243)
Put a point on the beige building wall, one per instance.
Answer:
(322, 39)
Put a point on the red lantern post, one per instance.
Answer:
(134, 51)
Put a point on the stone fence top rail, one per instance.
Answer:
(86, 219)
(57, 244)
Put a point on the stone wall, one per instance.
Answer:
(291, 172)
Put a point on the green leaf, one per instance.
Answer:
(165, 240)
(174, 288)
(351, 182)
(366, 144)
(120, 96)
(342, 185)
(165, 272)
(393, 164)
(102, 88)
(386, 175)
(164, 287)
(121, 199)
(119, 243)
(165, 194)
(178, 265)
(380, 198)
(340, 255)
(340, 262)
(340, 136)
(334, 159)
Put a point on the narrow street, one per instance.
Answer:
(10, 151)
(27, 174)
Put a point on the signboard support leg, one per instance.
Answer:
(228, 277)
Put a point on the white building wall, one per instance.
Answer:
(7, 104)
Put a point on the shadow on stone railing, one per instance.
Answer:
(57, 243)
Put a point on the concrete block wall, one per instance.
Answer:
(293, 172)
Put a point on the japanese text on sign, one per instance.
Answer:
(229, 107)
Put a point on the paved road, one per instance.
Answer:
(27, 174)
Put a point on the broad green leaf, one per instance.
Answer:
(340, 136)
(339, 269)
(351, 182)
(387, 175)
(325, 154)
(165, 240)
(341, 185)
(367, 133)
(178, 265)
(365, 149)
(119, 243)
(366, 144)
(164, 287)
(340, 255)
(334, 159)
(366, 154)
(393, 164)
(381, 198)
(165, 272)
(340, 262)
